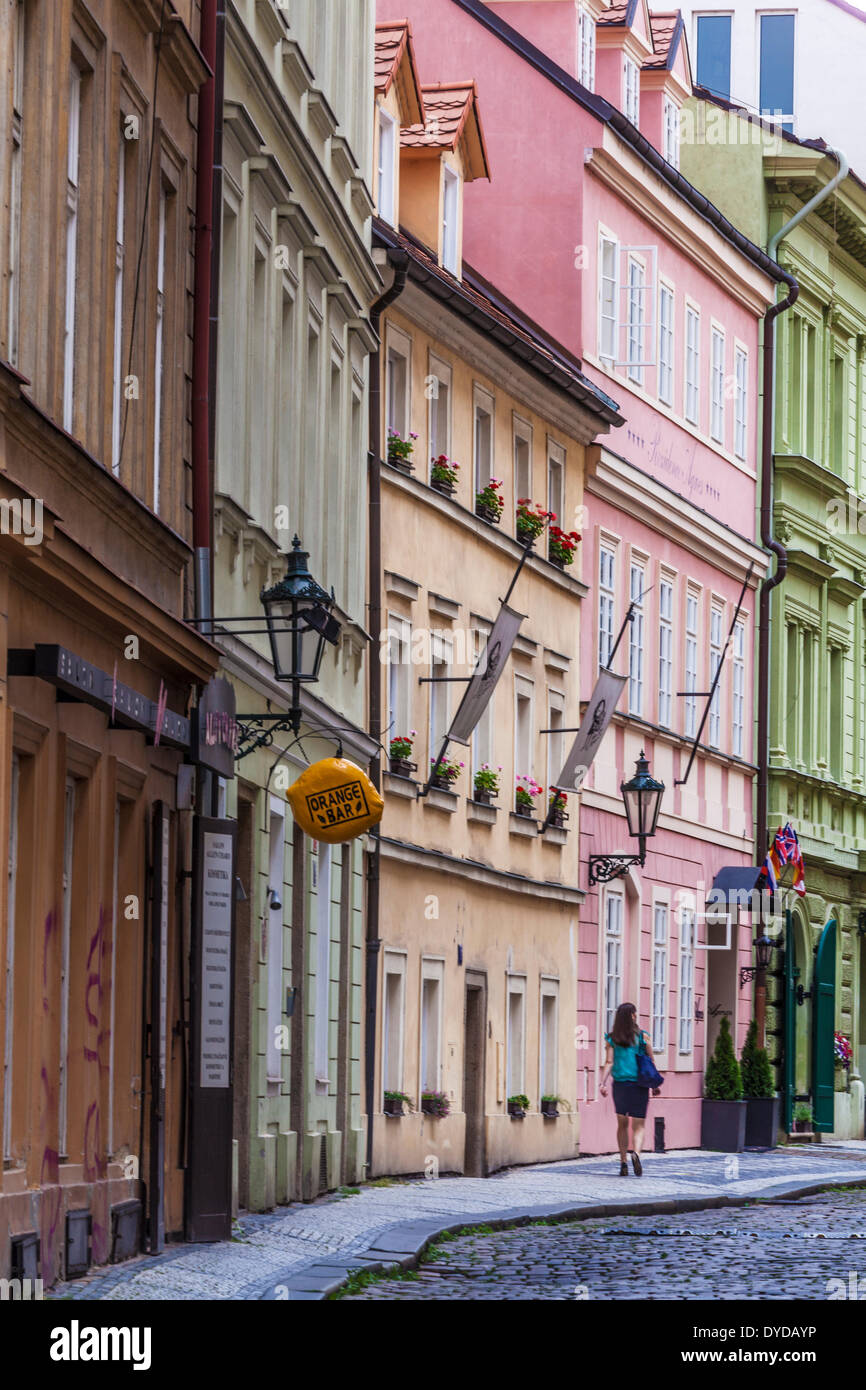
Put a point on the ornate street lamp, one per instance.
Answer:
(298, 615)
(642, 797)
(764, 947)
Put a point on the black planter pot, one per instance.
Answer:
(442, 784)
(723, 1125)
(762, 1122)
(484, 798)
(549, 1109)
(554, 560)
(487, 513)
(559, 818)
(523, 537)
(516, 1111)
(403, 465)
(447, 489)
(393, 1107)
(402, 767)
(525, 811)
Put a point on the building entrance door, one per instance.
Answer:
(474, 1072)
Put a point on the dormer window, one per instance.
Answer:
(672, 133)
(586, 54)
(387, 166)
(630, 90)
(450, 213)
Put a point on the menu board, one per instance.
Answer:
(217, 870)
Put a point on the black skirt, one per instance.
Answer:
(630, 1099)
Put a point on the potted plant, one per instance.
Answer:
(524, 796)
(489, 502)
(394, 1102)
(561, 546)
(802, 1118)
(400, 451)
(723, 1110)
(517, 1106)
(560, 799)
(843, 1054)
(435, 1103)
(443, 475)
(486, 784)
(531, 520)
(444, 773)
(762, 1105)
(400, 753)
(550, 1106)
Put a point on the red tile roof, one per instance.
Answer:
(393, 44)
(449, 108)
(618, 14)
(665, 30)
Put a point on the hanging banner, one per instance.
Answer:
(334, 800)
(491, 664)
(593, 727)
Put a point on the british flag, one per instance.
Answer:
(785, 849)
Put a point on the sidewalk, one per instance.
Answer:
(303, 1251)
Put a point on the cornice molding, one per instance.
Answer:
(403, 851)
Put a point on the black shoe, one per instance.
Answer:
(636, 1164)
(623, 1169)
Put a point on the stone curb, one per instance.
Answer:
(402, 1246)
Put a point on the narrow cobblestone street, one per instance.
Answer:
(785, 1250)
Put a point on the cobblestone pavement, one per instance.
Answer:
(793, 1250)
(267, 1249)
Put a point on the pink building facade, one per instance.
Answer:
(592, 233)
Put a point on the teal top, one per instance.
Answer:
(624, 1058)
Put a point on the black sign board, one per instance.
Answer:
(215, 732)
(209, 1169)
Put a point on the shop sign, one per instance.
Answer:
(215, 731)
(334, 800)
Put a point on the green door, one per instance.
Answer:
(823, 1028)
(790, 1052)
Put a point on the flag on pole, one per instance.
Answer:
(785, 850)
(593, 727)
(489, 668)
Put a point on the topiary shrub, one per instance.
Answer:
(723, 1080)
(757, 1075)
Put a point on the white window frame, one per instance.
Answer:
(73, 190)
(450, 219)
(741, 401)
(586, 49)
(691, 665)
(556, 479)
(524, 690)
(672, 132)
(717, 621)
(659, 976)
(393, 963)
(441, 662)
(738, 712)
(667, 304)
(398, 395)
(636, 637)
(483, 404)
(636, 288)
(555, 741)
(607, 558)
(399, 675)
(692, 376)
(667, 588)
(432, 971)
(630, 90)
(484, 731)
(521, 433)
(608, 297)
(613, 939)
(515, 1049)
(686, 990)
(386, 174)
(548, 1048)
(717, 379)
(439, 406)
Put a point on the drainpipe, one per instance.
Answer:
(399, 260)
(209, 153)
(770, 583)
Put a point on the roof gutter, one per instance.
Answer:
(767, 468)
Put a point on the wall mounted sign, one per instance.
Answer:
(334, 800)
(217, 883)
(215, 731)
(77, 679)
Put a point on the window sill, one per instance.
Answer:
(441, 800)
(522, 825)
(401, 786)
(483, 815)
(555, 835)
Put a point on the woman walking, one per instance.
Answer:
(624, 1041)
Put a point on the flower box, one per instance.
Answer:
(447, 489)
(559, 817)
(487, 513)
(516, 1111)
(435, 1103)
(394, 1102)
(442, 784)
(549, 1109)
(484, 798)
(521, 809)
(402, 767)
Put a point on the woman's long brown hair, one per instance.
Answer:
(625, 1030)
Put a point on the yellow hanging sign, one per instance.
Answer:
(334, 800)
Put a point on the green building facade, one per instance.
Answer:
(818, 680)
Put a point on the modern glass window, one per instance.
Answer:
(741, 401)
(606, 602)
(672, 132)
(586, 65)
(636, 641)
(687, 980)
(608, 279)
(660, 977)
(691, 664)
(450, 213)
(714, 53)
(636, 319)
(739, 691)
(613, 915)
(691, 404)
(715, 663)
(666, 344)
(666, 647)
(777, 68)
(387, 164)
(631, 90)
(717, 413)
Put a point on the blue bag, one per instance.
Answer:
(647, 1073)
